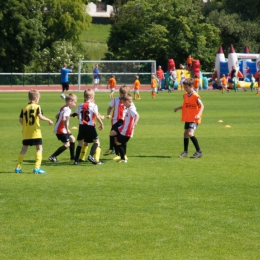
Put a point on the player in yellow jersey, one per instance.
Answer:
(30, 117)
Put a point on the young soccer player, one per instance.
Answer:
(126, 130)
(61, 128)
(87, 114)
(137, 87)
(117, 117)
(224, 83)
(30, 117)
(252, 85)
(112, 84)
(153, 86)
(196, 83)
(192, 109)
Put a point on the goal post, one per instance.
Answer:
(124, 70)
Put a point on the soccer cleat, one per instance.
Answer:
(107, 152)
(92, 159)
(122, 161)
(53, 159)
(126, 158)
(197, 155)
(18, 170)
(117, 158)
(76, 163)
(184, 154)
(39, 171)
(100, 162)
(62, 96)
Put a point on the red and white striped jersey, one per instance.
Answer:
(118, 112)
(87, 113)
(59, 128)
(127, 128)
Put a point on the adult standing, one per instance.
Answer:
(160, 76)
(65, 79)
(96, 75)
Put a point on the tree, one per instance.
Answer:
(64, 20)
(21, 31)
(162, 30)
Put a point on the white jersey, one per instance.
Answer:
(127, 128)
(118, 112)
(87, 113)
(59, 128)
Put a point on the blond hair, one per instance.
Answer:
(70, 97)
(88, 94)
(127, 97)
(124, 90)
(33, 94)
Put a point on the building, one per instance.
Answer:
(99, 12)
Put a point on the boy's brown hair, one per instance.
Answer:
(189, 82)
(124, 90)
(88, 94)
(71, 97)
(33, 94)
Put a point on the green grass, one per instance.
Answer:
(95, 39)
(157, 206)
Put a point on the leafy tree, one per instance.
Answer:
(21, 31)
(162, 30)
(51, 59)
(64, 20)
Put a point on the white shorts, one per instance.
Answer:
(136, 91)
(112, 90)
(154, 89)
(96, 81)
(224, 86)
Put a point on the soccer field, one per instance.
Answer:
(157, 206)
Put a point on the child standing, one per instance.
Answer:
(234, 80)
(30, 117)
(252, 79)
(137, 87)
(182, 79)
(87, 114)
(192, 109)
(126, 130)
(61, 128)
(196, 83)
(189, 62)
(170, 82)
(117, 117)
(224, 83)
(112, 84)
(153, 86)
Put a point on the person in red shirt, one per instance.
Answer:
(160, 76)
(192, 109)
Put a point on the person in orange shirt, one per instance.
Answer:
(192, 109)
(196, 83)
(153, 86)
(112, 84)
(189, 62)
(137, 87)
(224, 83)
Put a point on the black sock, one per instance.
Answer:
(111, 142)
(186, 144)
(195, 142)
(72, 148)
(116, 150)
(78, 151)
(121, 151)
(93, 149)
(59, 151)
(124, 147)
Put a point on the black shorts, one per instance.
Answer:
(65, 86)
(117, 124)
(63, 137)
(31, 142)
(190, 125)
(87, 133)
(122, 139)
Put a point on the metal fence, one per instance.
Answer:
(49, 79)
